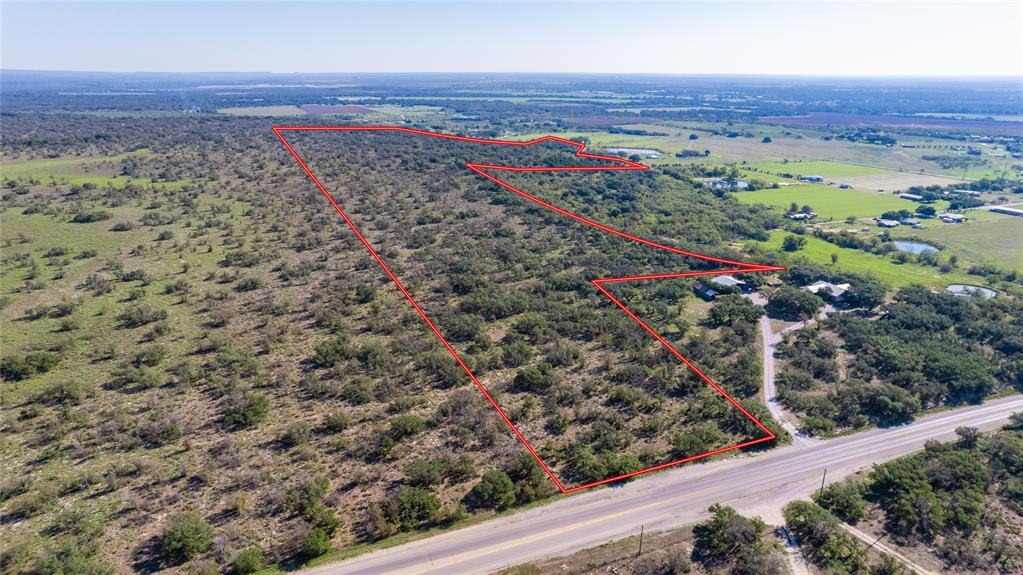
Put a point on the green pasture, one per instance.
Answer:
(985, 239)
(95, 170)
(884, 269)
(830, 203)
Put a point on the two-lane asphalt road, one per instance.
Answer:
(759, 484)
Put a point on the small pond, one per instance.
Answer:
(968, 290)
(915, 247)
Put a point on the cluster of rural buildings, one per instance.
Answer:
(710, 290)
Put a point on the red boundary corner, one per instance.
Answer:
(482, 170)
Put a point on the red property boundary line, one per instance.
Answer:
(599, 283)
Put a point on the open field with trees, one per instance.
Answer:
(86, 171)
(203, 371)
(830, 203)
(129, 354)
(986, 239)
(885, 269)
(923, 350)
(819, 168)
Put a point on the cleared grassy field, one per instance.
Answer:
(830, 203)
(820, 168)
(892, 181)
(96, 170)
(36, 234)
(262, 111)
(382, 112)
(57, 166)
(599, 140)
(885, 270)
(987, 238)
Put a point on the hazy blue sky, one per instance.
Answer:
(829, 38)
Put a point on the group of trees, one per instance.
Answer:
(955, 497)
(731, 543)
(923, 349)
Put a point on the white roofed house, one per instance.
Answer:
(729, 283)
(828, 290)
(730, 185)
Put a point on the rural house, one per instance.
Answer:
(827, 290)
(729, 282)
(730, 185)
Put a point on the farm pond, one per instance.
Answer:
(968, 290)
(915, 247)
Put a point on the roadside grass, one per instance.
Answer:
(349, 551)
(883, 269)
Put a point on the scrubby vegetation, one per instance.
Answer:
(958, 503)
(884, 365)
(239, 346)
(204, 371)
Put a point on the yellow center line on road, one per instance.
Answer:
(788, 468)
(783, 468)
(455, 559)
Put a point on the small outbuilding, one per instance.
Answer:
(952, 218)
(704, 291)
(1007, 211)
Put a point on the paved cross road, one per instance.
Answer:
(753, 484)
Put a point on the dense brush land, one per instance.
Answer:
(215, 349)
(954, 506)
(203, 369)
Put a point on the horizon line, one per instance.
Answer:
(1007, 76)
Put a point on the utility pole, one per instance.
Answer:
(821, 492)
(641, 529)
(875, 542)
